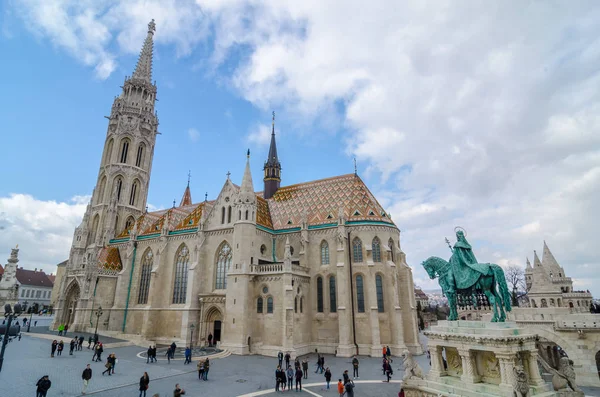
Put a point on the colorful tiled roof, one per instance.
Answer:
(110, 259)
(192, 220)
(322, 199)
(263, 215)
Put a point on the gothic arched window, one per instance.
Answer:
(376, 245)
(222, 215)
(296, 305)
(108, 152)
(147, 260)
(124, 150)
(259, 305)
(379, 290)
(119, 187)
(223, 263)
(332, 297)
(270, 304)
(324, 253)
(140, 155)
(101, 190)
(129, 223)
(319, 294)
(182, 257)
(360, 295)
(133, 194)
(301, 303)
(357, 250)
(229, 214)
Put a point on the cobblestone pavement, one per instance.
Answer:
(70, 335)
(29, 359)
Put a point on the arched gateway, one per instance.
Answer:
(70, 305)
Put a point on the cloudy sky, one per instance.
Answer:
(458, 113)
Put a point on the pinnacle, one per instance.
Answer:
(143, 69)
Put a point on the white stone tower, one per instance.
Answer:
(122, 187)
(121, 191)
(238, 300)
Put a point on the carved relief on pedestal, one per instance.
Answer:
(489, 365)
(454, 362)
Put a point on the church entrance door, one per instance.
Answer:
(70, 311)
(217, 329)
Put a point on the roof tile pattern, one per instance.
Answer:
(192, 220)
(110, 259)
(263, 215)
(321, 201)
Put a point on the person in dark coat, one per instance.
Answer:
(178, 392)
(280, 359)
(148, 354)
(99, 350)
(89, 342)
(60, 348)
(299, 376)
(305, 368)
(54, 346)
(43, 385)
(86, 376)
(287, 359)
(327, 377)
(144, 384)
(72, 346)
(80, 344)
(108, 365)
(277, 371)
(173, 347)
(282, 381)
(206, 368)
(210, 338)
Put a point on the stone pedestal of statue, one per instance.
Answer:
(474, 358)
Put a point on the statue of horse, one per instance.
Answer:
(472, 280)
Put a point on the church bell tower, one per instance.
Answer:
(124, 176)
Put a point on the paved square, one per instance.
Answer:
(29, 359)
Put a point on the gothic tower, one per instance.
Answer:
(272, 168)
(122, 187)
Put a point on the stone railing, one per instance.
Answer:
(270, 268)
(578, 322)
(577, 295)
(561, 280)
(300, 269)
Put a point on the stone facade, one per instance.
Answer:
(313, 266)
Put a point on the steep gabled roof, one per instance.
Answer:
(321, 200)
(263, 215)
(35, 278)
(548, 260)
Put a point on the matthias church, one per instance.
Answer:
(316, 265)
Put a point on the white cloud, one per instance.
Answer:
(42, 229)
(193, 134)
(473, 115)
(260, 134)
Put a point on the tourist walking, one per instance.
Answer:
(299, 375)
(346, 377)
(287, 359)
(148, 354)
(60, 348)
(173, 349)
(72, 346)
(153, 354)
(99, 350)
(349, 386)
(327, 377)
(144, 384)
(355, 367)
(340, 388)
(388, 353)
(305, 368)
(43, 385)
(168, 355)
(108, 365)
(80, 344)
(280, 358)
(210, 338)
(282, 381)
(388, 370)
(200, 367)
(384, 352)
(86, 376)
(188, 355)
(318, 362)
(89, 342)
(206, 368)
(54, 346)
(290, 377)
(114, 361)
(178, 392)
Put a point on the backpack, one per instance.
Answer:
(349, 386)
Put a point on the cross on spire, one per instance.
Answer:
(228, 174)
(355, 171)
(189, 177)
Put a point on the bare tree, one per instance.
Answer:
(515, 278)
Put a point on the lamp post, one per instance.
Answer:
(10, 316)
(98, 315)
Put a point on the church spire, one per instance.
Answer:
(272, 178)
(548, 260)
(247, 187)
(187, 195)
(143, 69)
